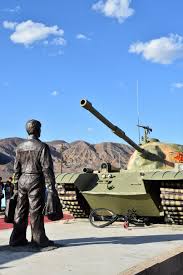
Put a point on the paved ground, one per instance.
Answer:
(88, 250)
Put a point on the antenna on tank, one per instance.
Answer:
(138, 114)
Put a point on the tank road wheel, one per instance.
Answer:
(73, 201)
(171, 193)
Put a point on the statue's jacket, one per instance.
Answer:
(33, 162)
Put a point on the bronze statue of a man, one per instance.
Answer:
(33, 167)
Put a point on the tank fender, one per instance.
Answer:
(83, 181)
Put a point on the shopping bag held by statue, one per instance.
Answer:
(53, 207)
(10, 209)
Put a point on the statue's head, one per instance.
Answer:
(33, 127)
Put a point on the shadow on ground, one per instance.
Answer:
(129, 240)
(9, 254)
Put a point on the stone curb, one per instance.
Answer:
(169, 263)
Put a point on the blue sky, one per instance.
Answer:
(54, 53)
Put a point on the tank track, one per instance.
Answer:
(171, 194)
(73, 201)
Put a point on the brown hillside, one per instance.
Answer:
(75, 155)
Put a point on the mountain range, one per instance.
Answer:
(70, 157)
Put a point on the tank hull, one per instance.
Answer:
(119, 192)
(144, 205)
(150, 194)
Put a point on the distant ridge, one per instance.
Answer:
(76, 155)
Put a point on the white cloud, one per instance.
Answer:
(9, 25)
(28, 32)
(59, 41)
(177, 85)
(12, 10)
(55, 93)
(119, 9)
(164, 50)
(82, 36)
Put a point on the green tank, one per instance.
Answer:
(152, 184)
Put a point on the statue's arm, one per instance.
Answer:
(17, 170)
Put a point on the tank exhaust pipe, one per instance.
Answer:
(116, 130)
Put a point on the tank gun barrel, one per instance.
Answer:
(116, 130)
